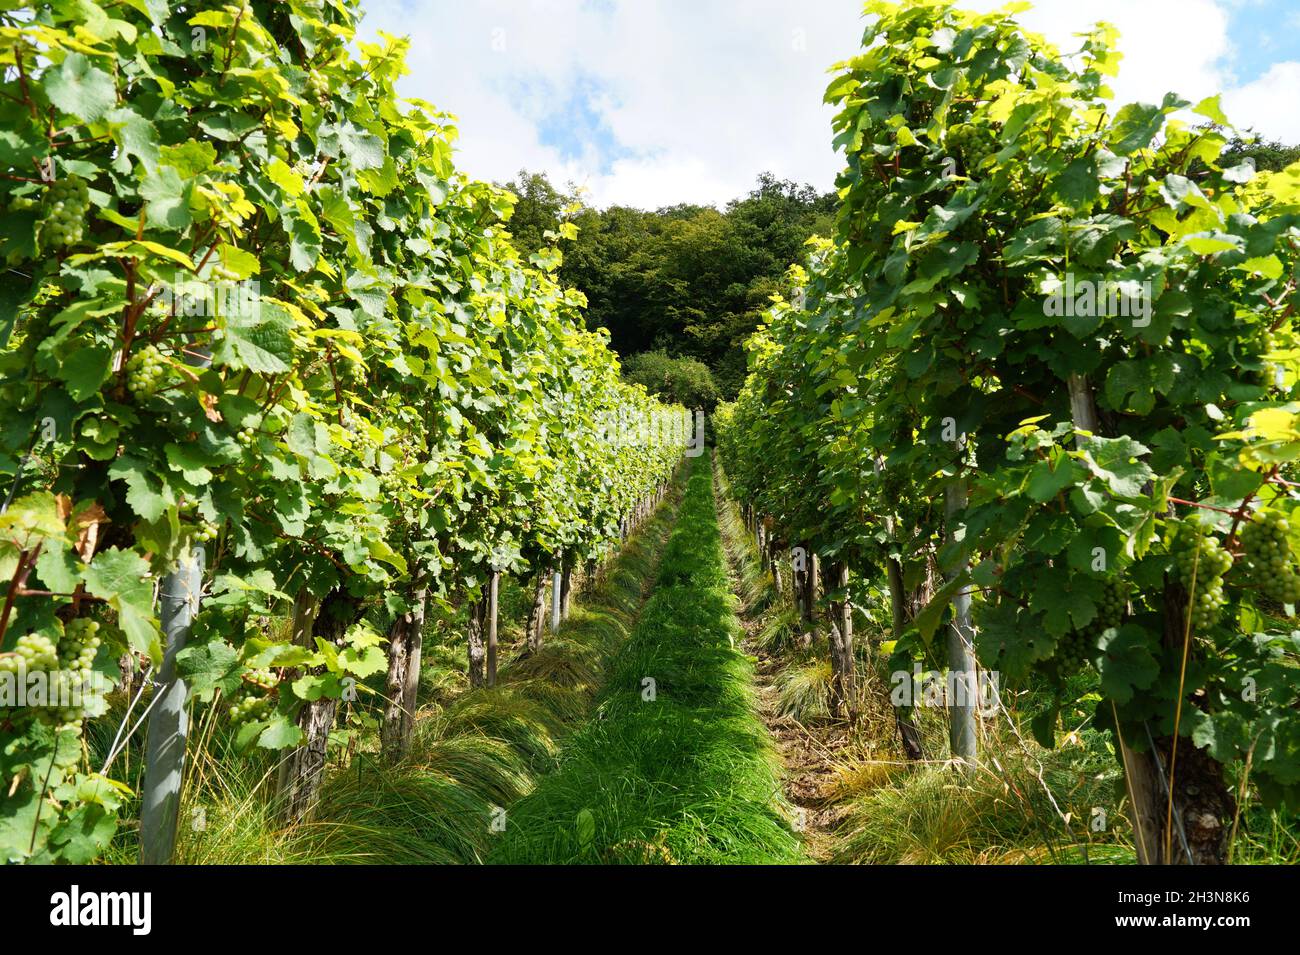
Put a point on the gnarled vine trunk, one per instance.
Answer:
(1193, 828)
(844, 679)
(405, 641)
(303, 769)
(537, 609)
(475, 646)
(908, 735)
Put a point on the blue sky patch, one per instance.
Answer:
(1263, 32)
(570, 120)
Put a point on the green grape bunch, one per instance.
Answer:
(64, 208)
(82, 638)
(70, 662)
(32, 652)
(973, 142)
(251, 706)
(80, 645)
(262, 679)
(146, 370)
(1199, 565)
(318, 84)
(1270, 563)
(248, 709)
(203, 529)
(1075, 650)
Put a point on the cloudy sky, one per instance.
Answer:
(653, 102)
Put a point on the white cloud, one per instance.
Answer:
(1168, 45)
(699, 96)
(1269, 103)
(652, 183)
(691, 99)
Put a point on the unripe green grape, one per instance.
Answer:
(249, 708)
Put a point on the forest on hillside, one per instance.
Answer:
(686, 283)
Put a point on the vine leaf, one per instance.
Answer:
(121, 578)
(79, 88)
(258, 340)
(209, 666)
(168, 198)
(280, 733)
(1126, 662)
(85, 371)
(1115, 462)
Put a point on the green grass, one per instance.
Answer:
(804, 690)
(687, 776)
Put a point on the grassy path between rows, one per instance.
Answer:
(810, 749)
(674, 766)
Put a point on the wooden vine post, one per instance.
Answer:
(1141, 777)
(406, 640)
(160, 796)
(494, 585)
(962, 684)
